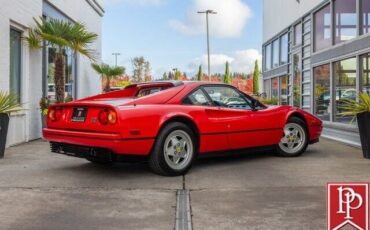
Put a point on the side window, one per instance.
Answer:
(228, 97)
(197, 98)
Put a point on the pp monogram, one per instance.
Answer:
(348, 206)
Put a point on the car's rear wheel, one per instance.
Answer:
(174, 150)
(295, 138)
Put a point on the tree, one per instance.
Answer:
(177, 75)
(227, 79)
(108, 73)
(147, 71)
(200, 73)
(165, 76)
(61, 35)
(256, 78)
(141, 69)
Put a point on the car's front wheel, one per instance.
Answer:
(174, 150)
(295, 138)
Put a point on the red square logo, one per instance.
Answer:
(348, 206)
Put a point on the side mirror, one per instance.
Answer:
(254, 105)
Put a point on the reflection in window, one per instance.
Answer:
(267, 88)
(68, 73)
(345, 86)
(15, 63)
(345, 20)
(365, 73)
(274, 87)
(298, 34)
(276, 53)
(284, 49)
(322, 33)
(322, 92)
(227, 97)
(268, 57)
(284, 90)
(197, 98)
(297, 80)
(365, 16)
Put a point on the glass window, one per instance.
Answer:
(298, 34)
(345, 20)
(365, 16)
(15, 62)
(365, 73)
(297, 80)
(268, 57)
(197, 98)
(276, 53)
(267, 88)
(322, 92)
(345, 86)
(322, 37)
(275, 87)
(284, 90)
(227, 97)
(284, 49)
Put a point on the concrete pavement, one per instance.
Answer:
(42, 190)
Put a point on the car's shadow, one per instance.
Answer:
(137, 169)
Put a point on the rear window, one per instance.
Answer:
(149, 91)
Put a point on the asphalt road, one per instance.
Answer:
(42, 190)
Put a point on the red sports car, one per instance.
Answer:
(171, 123)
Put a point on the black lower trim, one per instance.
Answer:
(237, 151)
(92, 153)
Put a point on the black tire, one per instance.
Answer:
(157, 161)
(298, 122)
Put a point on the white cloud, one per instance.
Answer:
(230, 20)
(135, 2)
(241, 61)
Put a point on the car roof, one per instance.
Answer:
(173, 83)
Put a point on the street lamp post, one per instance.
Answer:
(207, 12)
(116, 55)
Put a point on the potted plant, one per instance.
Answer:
(61, 35)
(8, 104)
(361, 110)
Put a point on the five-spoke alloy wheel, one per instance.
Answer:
(174, 150)
(295, 138)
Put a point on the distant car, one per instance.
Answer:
(171, 123)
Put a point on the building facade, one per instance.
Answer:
(316, 54)
(29, 73)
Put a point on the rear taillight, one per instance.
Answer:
(55, 114)
(107, 116)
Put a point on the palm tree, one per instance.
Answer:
(61, 35)
(108, 73)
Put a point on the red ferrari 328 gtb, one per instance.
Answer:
(170, 123)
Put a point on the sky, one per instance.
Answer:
(170, 34)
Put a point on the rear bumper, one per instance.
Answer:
(112, 142)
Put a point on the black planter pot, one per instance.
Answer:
(363, 121)
(4, 124)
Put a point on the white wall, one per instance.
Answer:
(19, 14)
(26, 125)
(279, 14)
